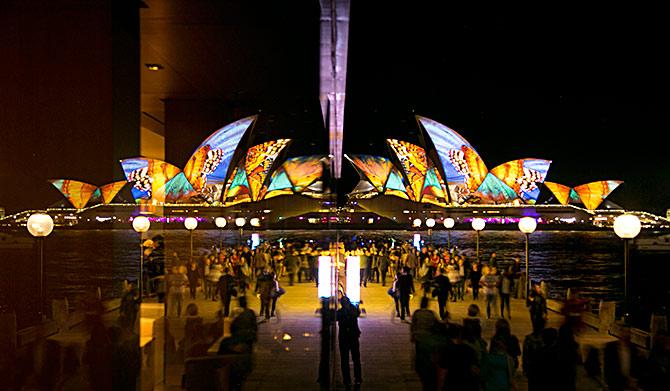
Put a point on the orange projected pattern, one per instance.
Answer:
(237, 189)
(303, 171)
(414, 163)
(594, 193)
(110, 190)
(561, 192)
(433, 190)
(468, 163)
(161, 172)
(258, 163)
(375, 169)
(397, 193)
(78, 193)
(194, 169)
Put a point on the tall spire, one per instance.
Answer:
(333, 74)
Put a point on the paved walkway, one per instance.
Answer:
(386, 350)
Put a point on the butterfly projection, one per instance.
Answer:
(81, 193)
(248, 179)
(467, 176)
(380, 176)
(155, 181)
(590, 194)
(297, 175)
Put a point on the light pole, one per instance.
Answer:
(191, 223)
(449, 224)
(141, 225)
(221, 223)
(430, 223)
(627, 227)
(40, 225)
(239, 222)
(527, 225)
(478, 224)
(416, 223)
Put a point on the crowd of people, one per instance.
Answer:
(449, 355)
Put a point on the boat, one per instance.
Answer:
(657, 243)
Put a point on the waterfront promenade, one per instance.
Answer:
(386, 350)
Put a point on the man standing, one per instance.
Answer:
(442, 289)
(347, 319)
(292, 264)
(225, 288)
(537, 306)
(264, 285)
(405, 287)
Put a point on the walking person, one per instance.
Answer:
(506, 284)
(292, 264)
(423, 327)
(264, 284)
(441, 290)
(405, 287)
(475, 277)
(225, 289)
(193, 275)
(176, 284)
(348, 338)
(491, 282)
(383, 261)
(537, 307)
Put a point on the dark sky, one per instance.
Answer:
(586, 89)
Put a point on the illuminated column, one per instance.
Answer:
(417, 241)
(40, 225)
(325, 277)
(354, 279)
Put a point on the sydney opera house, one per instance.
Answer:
(443, 176)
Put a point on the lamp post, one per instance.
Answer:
(527, 225)
(141, 225)
(627, 227)
(449, 224)
(40, 225)
(239, 222)
(430, 223)
(478, 224)
(221, 223)
(190, 223)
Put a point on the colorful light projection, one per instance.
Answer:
(179, 189)
(77, 193)
(237, 188)
(594, 193)
(590, 194)
(80, 193)
(374, 168)
(522, 176)
(464, 168)
(434, 191)
(258, 163)
(304, 170)
(414, 163)
(110, 190)
(211, 160)
(149, 177)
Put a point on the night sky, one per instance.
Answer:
(586, 89)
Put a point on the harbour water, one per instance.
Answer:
(588, 263)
